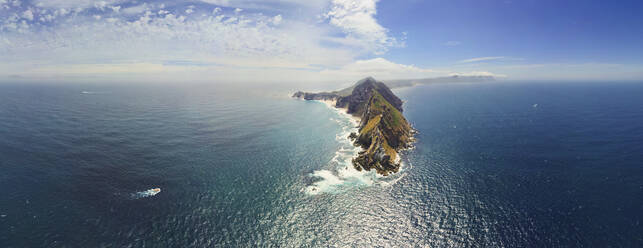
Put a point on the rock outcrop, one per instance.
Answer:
(383, 130)
(324, 96)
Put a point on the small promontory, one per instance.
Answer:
(383, 130)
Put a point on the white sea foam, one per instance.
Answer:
(147, 193)
(340, 175)
(400, 172)
(392, 182)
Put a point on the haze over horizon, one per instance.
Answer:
(317, 40)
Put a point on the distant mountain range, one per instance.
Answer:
(399, 83)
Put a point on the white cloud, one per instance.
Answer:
(72, 4)
(119, 39)
(217, 2)
(237, 44)
(115, 8)
(477, 73)
(379, 68)
(136, 9)
(481, 59)
(384, 69)
(269, 4)
(61, 12)
(356, 18)
(277, 20)
(28, 14)
(100, 5)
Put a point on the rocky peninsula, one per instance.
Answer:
(383, 130)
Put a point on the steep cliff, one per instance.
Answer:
(383, 130)
(362, 92)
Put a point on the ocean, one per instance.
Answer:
(502, 164)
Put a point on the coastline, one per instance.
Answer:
(376, 112)
(332, 105)
(342, 175)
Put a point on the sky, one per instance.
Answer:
(318, 40)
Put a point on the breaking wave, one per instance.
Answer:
(340, 174)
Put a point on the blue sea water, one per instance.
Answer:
(496, 164)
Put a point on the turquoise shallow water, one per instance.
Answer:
(499, 164)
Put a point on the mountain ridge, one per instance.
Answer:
(383, 130)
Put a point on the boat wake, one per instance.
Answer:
(93, 92)
(147, 193)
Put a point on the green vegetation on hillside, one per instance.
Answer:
(372, 123)
(383, 130)
(380, 105)
(383, 133)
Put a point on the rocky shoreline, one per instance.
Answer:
(383, 130)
